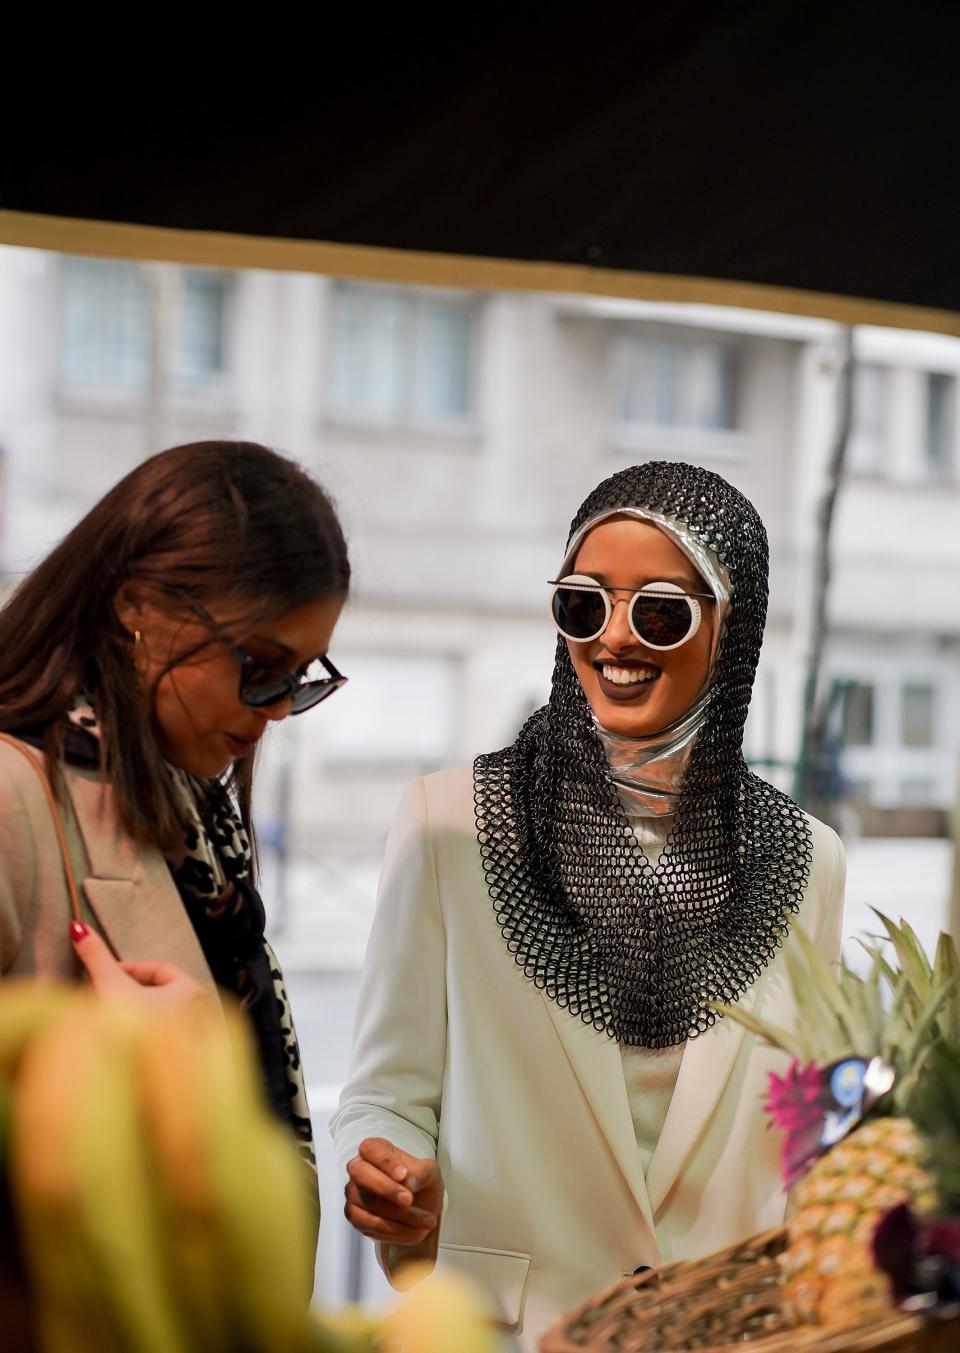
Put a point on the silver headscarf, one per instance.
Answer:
(647, 771)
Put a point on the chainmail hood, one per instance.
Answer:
(634, 948)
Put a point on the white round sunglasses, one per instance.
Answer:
(661, 615)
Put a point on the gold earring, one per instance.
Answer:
(137, 636)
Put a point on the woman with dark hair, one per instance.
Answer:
(543, 1092)
(140, 663)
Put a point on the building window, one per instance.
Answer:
(402, 356)
(201, 330)
(671, 383)
(105, 329)
(938, 439)
(869, 418)
(856, 716)
(415, 727)
(918, 792)
(105, 325)
(916, 715)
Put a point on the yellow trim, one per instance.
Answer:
(211, 249)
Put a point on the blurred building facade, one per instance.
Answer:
(458, 433)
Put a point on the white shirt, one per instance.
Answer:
(650, 1074)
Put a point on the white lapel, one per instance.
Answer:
(596, 1062)
(705, 1069)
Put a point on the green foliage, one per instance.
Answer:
(902, 1011)
(935, 1109)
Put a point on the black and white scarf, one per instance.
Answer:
(212, 867)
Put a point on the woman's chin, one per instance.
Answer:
(205, 766)
(628, 719)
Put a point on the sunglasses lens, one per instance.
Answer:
(261, 686)
(578, 615)
(258, 697)
(308, 696)
(661, 621)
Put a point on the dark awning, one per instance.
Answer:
(790, 153)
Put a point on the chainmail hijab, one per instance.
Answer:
(635, 948)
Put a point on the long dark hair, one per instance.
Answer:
(218, 520)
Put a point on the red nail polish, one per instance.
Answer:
(78, 931)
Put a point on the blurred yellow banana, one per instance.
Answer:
(84, 1192)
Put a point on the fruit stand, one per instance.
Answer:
(869, 1109)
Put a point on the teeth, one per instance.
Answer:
(628, 676)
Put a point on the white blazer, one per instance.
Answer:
(458, 1055)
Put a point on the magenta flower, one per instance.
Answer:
(795, 1105)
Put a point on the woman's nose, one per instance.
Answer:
(618, 635)
(278, 710)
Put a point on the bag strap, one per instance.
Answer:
(57, 821)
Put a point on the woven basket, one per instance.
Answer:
(717, 1303)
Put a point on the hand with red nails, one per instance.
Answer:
(394, 1197)
(156, 985)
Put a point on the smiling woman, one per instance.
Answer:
(649, 658)
(536, 1038)
(140, 664)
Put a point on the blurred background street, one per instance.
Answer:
(458, 432)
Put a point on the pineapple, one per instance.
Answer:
(829, 1273)
(936, 1112)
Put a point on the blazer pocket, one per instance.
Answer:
(501, 1275)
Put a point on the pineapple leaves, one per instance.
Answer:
(905, 1009)
(914, 963)
(898, 1021)
(769, 1033)
(887, 971)
(822, 1001)
(946, 968)
(922, 1031)
(936, 1112)
(864, 1010)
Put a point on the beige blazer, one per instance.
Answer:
(126, 890)
(456, 1054)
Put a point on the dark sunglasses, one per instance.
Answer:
(262, 683)
(661, 614)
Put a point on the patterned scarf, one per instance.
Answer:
(211, 866)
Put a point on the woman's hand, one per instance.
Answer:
(393, 1197)
(155, 985)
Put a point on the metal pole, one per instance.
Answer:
(161, 281)
(813, 718)
(953, 910)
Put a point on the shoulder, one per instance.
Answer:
(443, 801)
(449, 793)
(26, 825)
(435, 825)
(28, 809)
(20, 769)
(23, 774)
(827, 854)
(822, 908)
